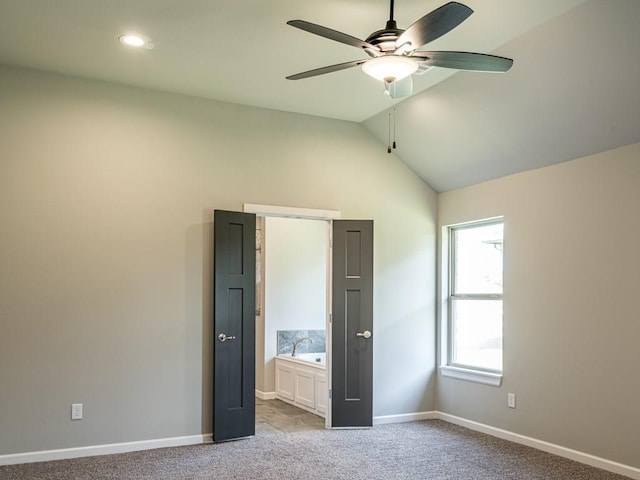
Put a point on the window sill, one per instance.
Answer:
(477, 376)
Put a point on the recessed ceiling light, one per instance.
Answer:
(137, 41)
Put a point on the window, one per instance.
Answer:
(475, 297)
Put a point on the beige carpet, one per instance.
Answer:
(417, 450)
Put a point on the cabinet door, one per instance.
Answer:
(305, 388)
(321, 393)
(285, 381)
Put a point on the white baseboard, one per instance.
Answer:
(587, 459)
(64, 453)
(581, 457)
(405, 417)
(266, 395)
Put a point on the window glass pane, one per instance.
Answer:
(478, 259)
(477, 333)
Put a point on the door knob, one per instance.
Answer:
(365, 334)
(223, 338)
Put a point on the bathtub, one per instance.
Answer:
(315, 358)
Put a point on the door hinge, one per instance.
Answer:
(330, 394)
(331, 318)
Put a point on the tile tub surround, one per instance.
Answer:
(286, 339)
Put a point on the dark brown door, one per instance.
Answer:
(234, 325)
(352, 324)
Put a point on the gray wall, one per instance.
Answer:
(571, 314)
(106, 199)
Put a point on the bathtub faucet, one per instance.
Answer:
(295, 345)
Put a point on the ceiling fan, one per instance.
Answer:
(394, 54)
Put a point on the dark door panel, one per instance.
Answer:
(352, 324)
(234, 325)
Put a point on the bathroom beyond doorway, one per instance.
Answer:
(291, 292)
(278, 416)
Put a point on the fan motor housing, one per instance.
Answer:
(385, 39)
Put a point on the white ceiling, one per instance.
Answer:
(463, 127)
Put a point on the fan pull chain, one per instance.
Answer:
(389, 135)
(391, 141)
(394, 128)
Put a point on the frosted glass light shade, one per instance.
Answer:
(390, 67)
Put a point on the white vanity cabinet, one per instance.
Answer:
(285, 381)
(321, 393)
(302, 384)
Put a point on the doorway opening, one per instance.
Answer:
(349, 326)
(293, 298)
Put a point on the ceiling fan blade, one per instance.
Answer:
(433, 25)
(332, 35)
(399, 88)
(480, 62)
(323, 70)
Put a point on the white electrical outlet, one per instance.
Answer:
(76, 411)
(511, 400)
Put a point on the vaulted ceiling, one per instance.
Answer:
(572, 90)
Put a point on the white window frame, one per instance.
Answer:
(447, 367)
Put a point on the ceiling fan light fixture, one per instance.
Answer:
(390, 68)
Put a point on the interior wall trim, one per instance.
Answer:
(587, 459)
(290, 212)
(266, 395)
(405, 417)
(108, 449)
